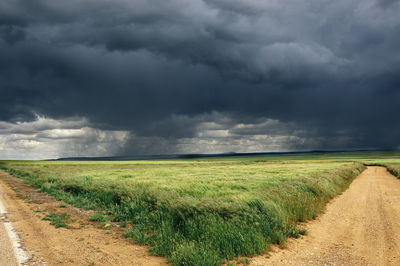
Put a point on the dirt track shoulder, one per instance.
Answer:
(7, 256)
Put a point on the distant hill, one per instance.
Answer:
(192, 156)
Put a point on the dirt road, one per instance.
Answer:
(359, 227)
(6, 252)
(7, 256)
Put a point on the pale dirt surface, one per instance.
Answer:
(83, 243)
(7, 256)
(359, 227)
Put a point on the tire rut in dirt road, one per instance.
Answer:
(359, 227)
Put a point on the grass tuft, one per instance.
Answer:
(98, 217)
(58, 220)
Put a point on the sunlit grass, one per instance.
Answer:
(228, 181)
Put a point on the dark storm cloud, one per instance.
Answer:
(12, 34)
(326, 72)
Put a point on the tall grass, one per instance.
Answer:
(190, 225)
(393, 169)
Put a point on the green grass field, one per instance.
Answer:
(204, 211)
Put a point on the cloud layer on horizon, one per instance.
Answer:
(46, 138)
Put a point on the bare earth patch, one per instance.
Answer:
(359, 227)
(82, 243)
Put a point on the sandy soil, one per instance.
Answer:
(83, 243)
(6, 251)
(359, 227)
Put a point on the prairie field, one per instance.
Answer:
(205, 211)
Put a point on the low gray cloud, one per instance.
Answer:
(303, 74)
(46, 138)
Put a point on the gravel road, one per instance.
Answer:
(7, 255)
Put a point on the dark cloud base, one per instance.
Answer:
(327, 73)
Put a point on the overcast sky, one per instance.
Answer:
(128, 77)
